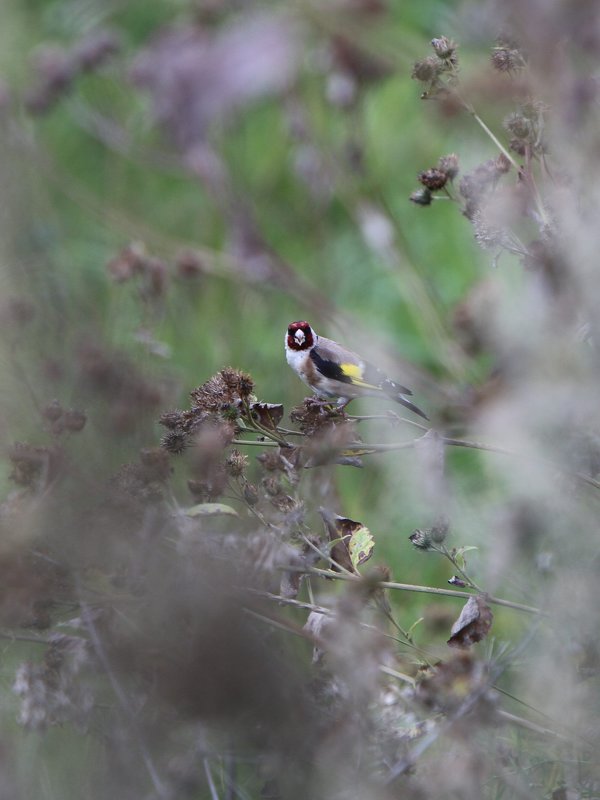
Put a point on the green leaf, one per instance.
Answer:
(459, 554)
(351, 543)
(414, 625)
(361, 546)
(211, 510)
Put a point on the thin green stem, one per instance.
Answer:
(471, 583)
(408, 587)
(251, 443)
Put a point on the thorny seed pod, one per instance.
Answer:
(518, 146)
(439, 530)
(171, 419)
(155, 463)
(433, 179)
(427, 69)
(236, 463)
(449, 165)
(443, 47)
(175, 441)
(518, 125)
(74, 420)
(507, 57)
(502, 164)
(421, 539)
(271, 486)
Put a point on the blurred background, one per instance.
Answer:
(179, 180)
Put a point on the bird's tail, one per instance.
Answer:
(394, 391)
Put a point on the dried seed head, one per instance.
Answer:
(171, 419)
(270, 459)
(421, 197)
(224, 388)
(52, 411)
(433, 179)
(444, 47)
(518, 125)
(156, 465)
(175, 441)
(439, 531)
(421, 539)
(251, 494)
(449, 165)
(518, 146)
(507, 56)
(502, 164)
(74, 420)
(236, 463)
(427, 69)
(272, 486)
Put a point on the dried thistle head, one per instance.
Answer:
(74, 420)
(427, 70)
(226, 388)
(507, 55)
(421, 539)
(236, 463)
(313, 416)
(444, 48)
(477, 184)
(433, 178)
(449, 165)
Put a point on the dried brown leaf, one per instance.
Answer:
(473, 624)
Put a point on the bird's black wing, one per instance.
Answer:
(328, 368)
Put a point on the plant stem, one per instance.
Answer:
(408, 587)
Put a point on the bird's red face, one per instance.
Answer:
(300, 336)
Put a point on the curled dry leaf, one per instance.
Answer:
(473, 624)
(353, 543)
(269, 415)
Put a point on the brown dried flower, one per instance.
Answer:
(433, 179)
(444, 48)
(236, 463)
(427, 70)
(449, 165)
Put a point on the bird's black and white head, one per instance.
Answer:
(300, 336)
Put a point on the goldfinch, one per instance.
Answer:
(333, 371)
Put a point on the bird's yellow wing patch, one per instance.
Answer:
(354, 372)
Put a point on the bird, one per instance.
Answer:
(332, 370)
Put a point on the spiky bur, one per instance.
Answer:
(438, 71)
(435, 179)
(507, 56)
(217, 406)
